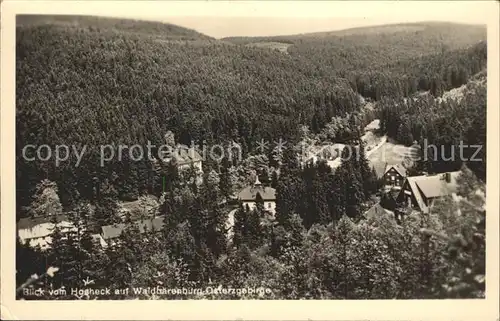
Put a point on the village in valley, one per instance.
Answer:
(311, 166)
(416, 193)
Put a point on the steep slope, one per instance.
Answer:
(393, 60)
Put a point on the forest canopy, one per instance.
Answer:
(99, 81)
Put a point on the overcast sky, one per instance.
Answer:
(262, 18)
(219, 27)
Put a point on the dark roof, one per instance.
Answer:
(30, 222)
(250, 193)
(115, 230)
(398, 167)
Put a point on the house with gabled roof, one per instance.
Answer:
(248, 196)
(185, 157)
(110, 233)
(419, 192)
(37, 231)
(394, 176)
(376, 210)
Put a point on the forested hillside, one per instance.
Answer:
(79, 85)
(127, 86)
(393, 60)
(444, 123)
(104, 24)
(95, 81)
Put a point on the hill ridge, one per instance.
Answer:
(110, 23)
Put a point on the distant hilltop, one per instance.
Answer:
(142, 27)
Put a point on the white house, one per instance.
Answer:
(37, 231)
(185, 158)
(248, 196)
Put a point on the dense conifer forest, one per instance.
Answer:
(98, 81)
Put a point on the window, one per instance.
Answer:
(269, 205)
(393, 178)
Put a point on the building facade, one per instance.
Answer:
(37, 231)
(248, 196)
(419, 192)
(394, 176)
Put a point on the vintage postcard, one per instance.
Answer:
(249, 160)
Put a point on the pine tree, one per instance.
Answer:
(388, 202)
(106, 211)
(239, 228)
(61, 255)
(81, 242)
(342, 236)
(215, 234)
(297, 231)
(259, 203)
(46, 200)
(128, 253)
(29, 261)
(368, 178)
(336, 194)
(248, 231)
(274, 179)
(404, 134)
(254, 237)
(225, 184)
(285, 200)
(354, 196)
(353, 191)
(283, 240)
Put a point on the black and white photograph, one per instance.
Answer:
(162, 157)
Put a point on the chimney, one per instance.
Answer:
(257, 182)
(447, 177)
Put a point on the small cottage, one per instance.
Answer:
(394, 176)
(419, 192)
(111, 233)
(248, 196)
(37, 231)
